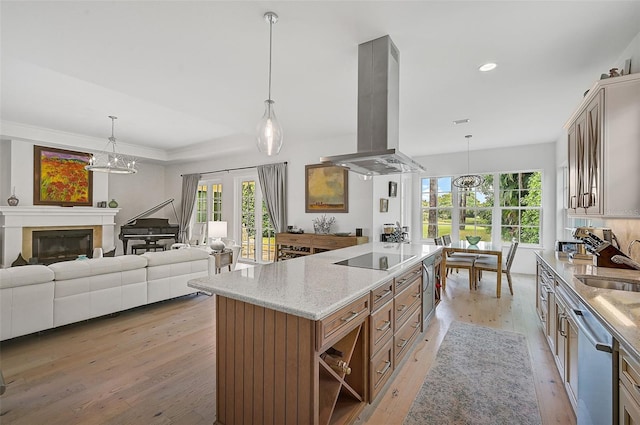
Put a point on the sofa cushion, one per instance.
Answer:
(82, 268)
(25, 275)
(174, 256)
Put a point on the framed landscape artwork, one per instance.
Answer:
(59, 177)
(326, 189)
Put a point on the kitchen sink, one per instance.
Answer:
(610, 283)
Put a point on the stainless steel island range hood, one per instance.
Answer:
(378, 114)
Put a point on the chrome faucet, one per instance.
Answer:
(621, 259)
(631, 245)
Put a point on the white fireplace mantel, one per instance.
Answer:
(13, 219)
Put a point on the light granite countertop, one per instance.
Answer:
(312, 286)
(619, 311)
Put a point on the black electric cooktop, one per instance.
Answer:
(376, 260)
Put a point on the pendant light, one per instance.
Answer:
(109, 160)
(269, 129)
(468, 181)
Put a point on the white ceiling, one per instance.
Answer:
(191, 76)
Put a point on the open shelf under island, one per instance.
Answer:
(307, 341)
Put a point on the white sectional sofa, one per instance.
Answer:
(169, 271)
(35, 297)
(26, 300)
(92, 288)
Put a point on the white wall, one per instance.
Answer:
(529, 157)
(20, 175)
(297, 154)
(136, 193)
(632, 51)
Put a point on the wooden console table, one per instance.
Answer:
(291, 245)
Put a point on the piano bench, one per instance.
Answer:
(144, 247)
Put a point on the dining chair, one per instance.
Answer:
(461, 263)
(446, 239)
(491, 264)
(437, 241)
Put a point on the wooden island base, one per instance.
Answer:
(279, 368)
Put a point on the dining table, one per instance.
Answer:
(481, 248)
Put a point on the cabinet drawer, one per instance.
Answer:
(407, 278)
(381, 369)
(405, 302)
(333, 242)
(381, 327)
(381, 295)
(403, 338)
(293, 239)
(342, 321)
(630, 374)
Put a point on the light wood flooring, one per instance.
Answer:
(155, 364)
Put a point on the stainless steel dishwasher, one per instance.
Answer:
(595, 369)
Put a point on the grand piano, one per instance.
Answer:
(150, 230)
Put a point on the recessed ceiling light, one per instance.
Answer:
(464, 121)
(488, 67)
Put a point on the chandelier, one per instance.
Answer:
(269, 129)
(109, 160)
(468, 181)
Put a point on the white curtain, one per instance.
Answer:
(189, 192)
(273, 182)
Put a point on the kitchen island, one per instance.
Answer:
(308, 341)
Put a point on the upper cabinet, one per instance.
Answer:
(604, 150)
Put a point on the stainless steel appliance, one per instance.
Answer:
(378, 114)
(376, 260)
(428, 288)
(595, 369)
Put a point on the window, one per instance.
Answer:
(521, 207)
(505, 206)
(268, 236)
(436, 207)
(255, 222)
(216, 202)
(201, 204)
(248, 220)
(208, 208)
(209, 203)
(476, 210)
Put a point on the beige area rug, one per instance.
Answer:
(480, 376)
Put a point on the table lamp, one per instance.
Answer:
(217, 230)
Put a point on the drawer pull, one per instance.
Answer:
(353, 315)
(403, 307)
(387, 325)
(403, 343)
(384, 370)
(416, 295)
(401, 281)
(416, 325)
(384, 294)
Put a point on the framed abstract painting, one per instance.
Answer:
(59, 177)
(326, 189)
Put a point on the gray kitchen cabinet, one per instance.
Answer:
(603, 150)
(560, 329)
(629, 400)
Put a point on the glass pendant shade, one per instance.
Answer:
(269, 135)
(269, 131)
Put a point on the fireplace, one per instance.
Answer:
(52, 246)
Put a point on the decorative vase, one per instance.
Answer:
(113, 204)
(12, 200)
